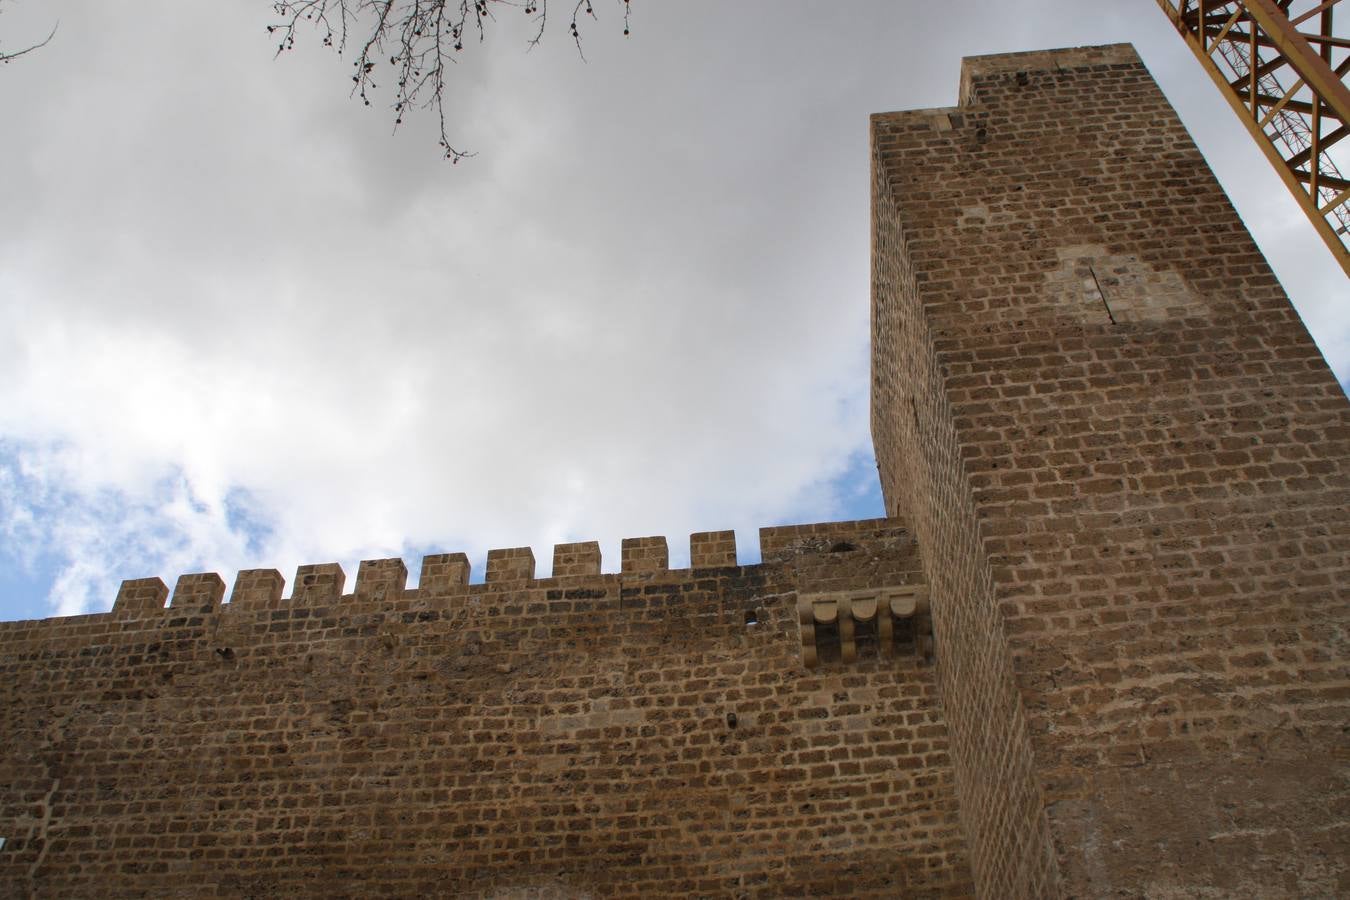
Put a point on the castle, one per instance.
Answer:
(1097, 648)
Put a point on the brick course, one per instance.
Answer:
(621, 735)
(1127, 463)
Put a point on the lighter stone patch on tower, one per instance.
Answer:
(1119, 286)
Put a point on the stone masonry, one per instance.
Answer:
(647, 733)
(1128, 467)
(1098, 647)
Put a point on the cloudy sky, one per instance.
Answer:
(244, 325)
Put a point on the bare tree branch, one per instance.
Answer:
(7, 57)
(419, 38)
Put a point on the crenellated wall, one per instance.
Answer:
(647, 733)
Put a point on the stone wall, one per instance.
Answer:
(1129, 467)
(645, 733)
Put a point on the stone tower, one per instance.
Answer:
(1129, 470)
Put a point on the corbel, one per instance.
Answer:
(884, 606)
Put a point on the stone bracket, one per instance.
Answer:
(846, 609)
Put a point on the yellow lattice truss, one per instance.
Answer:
(1282, 67)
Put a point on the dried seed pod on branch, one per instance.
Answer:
(411, 42)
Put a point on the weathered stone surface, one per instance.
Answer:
(1129, 468)
(588, 734)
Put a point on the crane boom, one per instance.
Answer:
(1282, 68)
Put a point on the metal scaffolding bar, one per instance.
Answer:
(1281, 66)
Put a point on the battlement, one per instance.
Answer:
(448, 574)
(827, 589)
(1021, 68)
(996, 65)
(824, 559)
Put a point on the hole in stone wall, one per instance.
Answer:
(731, 720)
(843, 547)
(751, 617)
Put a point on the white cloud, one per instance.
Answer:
(641, 309)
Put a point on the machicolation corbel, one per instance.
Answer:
(841, 612)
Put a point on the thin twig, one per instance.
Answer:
(7, 57)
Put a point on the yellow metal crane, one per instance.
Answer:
(1282, 67)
